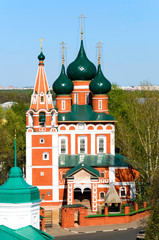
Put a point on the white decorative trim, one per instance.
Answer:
(81, 87)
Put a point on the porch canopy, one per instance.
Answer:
(112, 196)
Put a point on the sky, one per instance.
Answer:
(128, 29)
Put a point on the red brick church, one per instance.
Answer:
(70, 148)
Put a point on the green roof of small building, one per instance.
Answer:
(62, 85)
(76, 169)
(83, 113)
(82, 68)
(100, 85)
(41, 57)
(16, 190)
(98, 160)
(25, 233)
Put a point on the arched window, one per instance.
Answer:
(42, 119)
(101, 195)
(101, 144)
(63, 145)
(122, 191)
(45, 156)
(76, 98)
(82, 144)
(102, 174)
(63, 104)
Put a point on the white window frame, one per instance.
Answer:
(79, 138)
(42, 141)
(99, 104)
(120, 189)
(76, 98)
(63, 104)
(100, 196)
(98, 138)
(60, 139)
(45, 158)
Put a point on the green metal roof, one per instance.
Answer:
(33, 233)
(98, 160)
(81, 68)
(16, 190)
(62, 85)
(25, 233)
(100, 84)
(89, 169)
(83, 113)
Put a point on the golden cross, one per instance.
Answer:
(99, 46)
(82, 17)
(63, 52)
(41, 44)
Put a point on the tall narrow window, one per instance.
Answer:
(82, 145)
(100, 104)
(42, 119)
(63, 105)
(87, 98)
(42, 99)
(101, 144)
(63, 145)
(76, 98)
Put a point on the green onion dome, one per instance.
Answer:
(62, 85)
(81, 68)
(100, 85)
(41, 57)
(16, 190)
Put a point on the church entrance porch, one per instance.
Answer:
(82, 197)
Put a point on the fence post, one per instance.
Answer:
(127, 209)
(136, 207)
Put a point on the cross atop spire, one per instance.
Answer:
(82, 17)
(41, 40)
(63, 52)
(99, 46)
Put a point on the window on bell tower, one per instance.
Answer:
(42, 119)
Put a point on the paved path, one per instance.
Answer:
(122, 235)
(58, 231)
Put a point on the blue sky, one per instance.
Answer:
(128, 29)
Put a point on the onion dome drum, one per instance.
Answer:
(63, 85)
(100, 85)
(81, 68)
(16, 190)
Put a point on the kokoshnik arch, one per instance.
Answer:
(70, 148)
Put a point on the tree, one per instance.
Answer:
(137, 129)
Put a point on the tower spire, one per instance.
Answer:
(63, 52)
(99, 46)
(15, 151)
(82, 17)
(41, 44)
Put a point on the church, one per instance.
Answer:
(70, 147)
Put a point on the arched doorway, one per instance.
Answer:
(82, 196)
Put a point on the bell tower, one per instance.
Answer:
(42, 138)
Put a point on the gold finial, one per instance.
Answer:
(15, 134)
(63, 52)
(41, 40)
(82, 17)
(99, 46)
